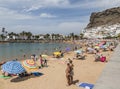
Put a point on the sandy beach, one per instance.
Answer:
(54, 75)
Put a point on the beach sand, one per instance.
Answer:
(54, 75)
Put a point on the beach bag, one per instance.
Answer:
(103, 59)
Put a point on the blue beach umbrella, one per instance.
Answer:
(103, 46)
(67, 49)
(78, 51)
(13, 67)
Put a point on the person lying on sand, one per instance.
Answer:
(1, 63)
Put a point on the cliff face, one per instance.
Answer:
(109, 16)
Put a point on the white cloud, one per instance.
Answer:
(32, 8)
(31, 5)
(45, 3)
(46, 15)
(10, 14)
(56, 2)
(99, 4)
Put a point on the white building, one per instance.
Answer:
(102, 31)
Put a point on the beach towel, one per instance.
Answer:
(5, 77)
(85, 85)
(37, 73)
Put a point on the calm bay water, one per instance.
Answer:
(10, 51)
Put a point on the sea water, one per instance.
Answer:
(11, 51)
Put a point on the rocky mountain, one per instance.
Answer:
(106, 17)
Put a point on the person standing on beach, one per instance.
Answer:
(45, 62)
(41, 61)
(33, 57)
(71, 71)
(67, 71)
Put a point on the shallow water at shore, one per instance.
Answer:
(10, 51)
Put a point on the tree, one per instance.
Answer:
(2, 36)
(36, 37)
(13, 35)
(81, 35)
(76, 37)
(28, 34)
(3, 33)
(72, 36)
(53, 36)
(3, 30)
(47, 36)
(22, 34)
(118, 36)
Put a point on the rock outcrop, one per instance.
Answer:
(107, 17)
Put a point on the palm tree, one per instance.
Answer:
(47, 36)
(12, 34)
(28, 34)
(3, 33)
(53, 36)
(2, 36)
(22, 34)
(6, 33)
(57, 36)
(3, 30)
(36, 37)
(72, 36)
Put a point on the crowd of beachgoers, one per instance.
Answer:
(81, 51)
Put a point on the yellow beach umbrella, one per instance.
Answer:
(96, 47)
(57, 53)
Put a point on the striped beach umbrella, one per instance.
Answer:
(29, 63)
(13, 67)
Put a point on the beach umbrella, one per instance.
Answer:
(105, 46)
(90, 49)
(78, 51)
(13, 67)
(44, 56)
(96, 47)
(67, 49)
(102, 46)
(29, 63)
(102, 43)
(57, 53)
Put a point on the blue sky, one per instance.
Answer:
(50, 16)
